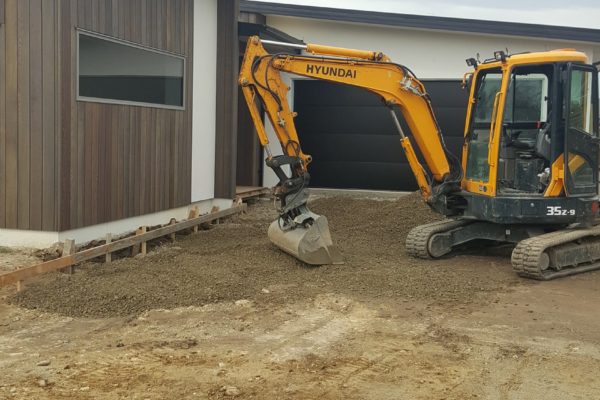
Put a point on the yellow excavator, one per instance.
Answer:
(529, 169)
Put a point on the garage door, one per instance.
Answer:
(352, 138)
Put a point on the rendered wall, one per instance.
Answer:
(430, 54)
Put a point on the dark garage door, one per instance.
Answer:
(352, 138)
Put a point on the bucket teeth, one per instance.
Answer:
(311, 245)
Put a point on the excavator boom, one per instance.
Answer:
(399, 89)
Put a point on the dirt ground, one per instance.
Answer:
(223, 314)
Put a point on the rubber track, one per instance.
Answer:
(526, 255)
(418, 237)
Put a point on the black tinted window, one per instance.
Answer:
(121, 72)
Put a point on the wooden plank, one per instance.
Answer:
(105, 163)
(11, 138)
(125, 134)
(79, 166)
(144, 162)
(121, 174)
(158, 26)
(135, 157)
(114, 165)
(2, 118)
(48, 117)
(108, 16)
(227, 91)
(58, 28)
(23, 106)
(245, 192)
(114, 8)
(36, 115)
(65, 85)
(87, 170)
(62, 262)
(96, 155)
(100, 16)
(144, 23)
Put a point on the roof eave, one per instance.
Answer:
(424, 22)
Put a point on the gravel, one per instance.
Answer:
(235, 261)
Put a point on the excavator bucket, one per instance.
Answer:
(312, 245)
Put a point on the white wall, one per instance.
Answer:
(204, 99)
(430, 54)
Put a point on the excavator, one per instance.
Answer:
(528, 174)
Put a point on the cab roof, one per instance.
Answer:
(543, 57)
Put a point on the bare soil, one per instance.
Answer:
(14, 258)
(224, 314)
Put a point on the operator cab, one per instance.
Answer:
(522, 117)
(532, 132)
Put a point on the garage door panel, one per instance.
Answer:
(391, 176)
(345, 119)
(446, 93)
(451, 121)
(352, 138)
(454, 145)
(354, 148)
(333, 94)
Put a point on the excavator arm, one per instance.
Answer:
(261, 81)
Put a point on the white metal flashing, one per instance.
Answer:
(204, 99)
(40, 240)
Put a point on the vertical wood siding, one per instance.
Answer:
(27, 109)
(66, 164)
(2, 116)
(123, 160)
(227, 92)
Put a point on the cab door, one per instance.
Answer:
(483, 112)
(580, 114)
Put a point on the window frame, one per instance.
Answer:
(102, 100)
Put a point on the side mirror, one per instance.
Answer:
(466, 81)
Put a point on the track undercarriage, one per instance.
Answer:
(541, 254)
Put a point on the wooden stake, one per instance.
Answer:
(194, 212)
(135, 249)
(20, 286)
(143, 245)
(108, 254)
(214, 210)
(172, 222)
(69, 249)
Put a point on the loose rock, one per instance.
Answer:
(231, 391)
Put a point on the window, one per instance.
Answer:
(118, 72)
(488, 85)
(580, 107)
(581, 128)
(527, 96)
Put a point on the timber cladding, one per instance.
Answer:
(67, 164)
